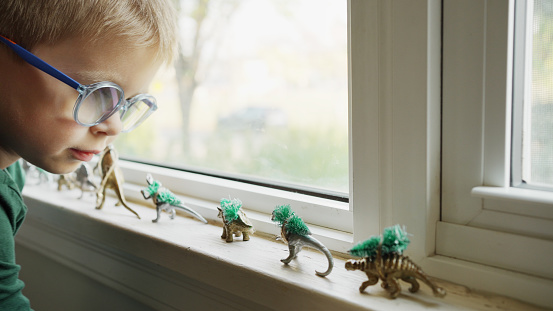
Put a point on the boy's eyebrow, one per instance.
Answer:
(98, 76)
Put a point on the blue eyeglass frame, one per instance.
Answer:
(84, 90)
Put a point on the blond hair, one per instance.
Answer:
(140, 23)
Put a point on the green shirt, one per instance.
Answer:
(12, 213)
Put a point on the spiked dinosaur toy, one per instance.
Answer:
(112, 178)
(235, 221)
(384, 260)
(165, 200)
(296, 233)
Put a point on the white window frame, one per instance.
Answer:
(499, 232)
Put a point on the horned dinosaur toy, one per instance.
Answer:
(165, 200)
(384, 260)
(112, 178)
(235, 221)
(296, 233)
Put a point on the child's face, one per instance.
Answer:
(36, 122)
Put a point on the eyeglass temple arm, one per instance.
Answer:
(39, 63)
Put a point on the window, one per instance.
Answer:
(256, 108)
(393, 137)
(485, 222)
(259, 93)
(533, 96)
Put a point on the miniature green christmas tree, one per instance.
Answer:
(152, 188)
(164, 195)
(366, 248)
(282, 213)
(230, 209)
(393, 240)
(293, 224)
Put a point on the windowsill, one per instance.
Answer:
(72, 231)
(510, 193)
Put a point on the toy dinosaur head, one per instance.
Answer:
(230, 209)
(281, 213)
(153, 186)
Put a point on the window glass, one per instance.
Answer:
(537, 112)
(259, 91)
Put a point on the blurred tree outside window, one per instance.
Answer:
(259, 91)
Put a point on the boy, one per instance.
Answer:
(57, 109)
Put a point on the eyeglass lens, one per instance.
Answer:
(98, 104)
(135, 114)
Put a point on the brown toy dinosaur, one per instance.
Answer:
(112, 178)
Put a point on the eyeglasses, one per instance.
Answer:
(98, 101)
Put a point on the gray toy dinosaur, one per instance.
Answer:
(165, 200)
(296, 233)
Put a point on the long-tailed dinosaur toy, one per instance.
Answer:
(296, 233)
(165, 200)
(112, 178)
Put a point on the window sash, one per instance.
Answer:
(477, 199)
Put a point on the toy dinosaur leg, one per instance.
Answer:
(237, 234)
(373, 279)
(230, 236)
(100, 198)
(246, 236)
(224, 235)
(158, 211)
(172, 215)
(294, 250)
(392, 286)
(414, 284)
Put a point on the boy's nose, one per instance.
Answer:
(110, 127)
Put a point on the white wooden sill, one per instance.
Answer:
(518, 194)
(183, 264)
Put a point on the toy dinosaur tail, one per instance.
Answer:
(191, 212)
(314, 243)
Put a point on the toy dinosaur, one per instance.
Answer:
(35, 175)
(384, 260)
(82, 179)
(65, 180)
(235, 221)
(112, 178)
(165, 200)
(296, 233)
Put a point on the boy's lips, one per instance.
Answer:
(83, 155)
